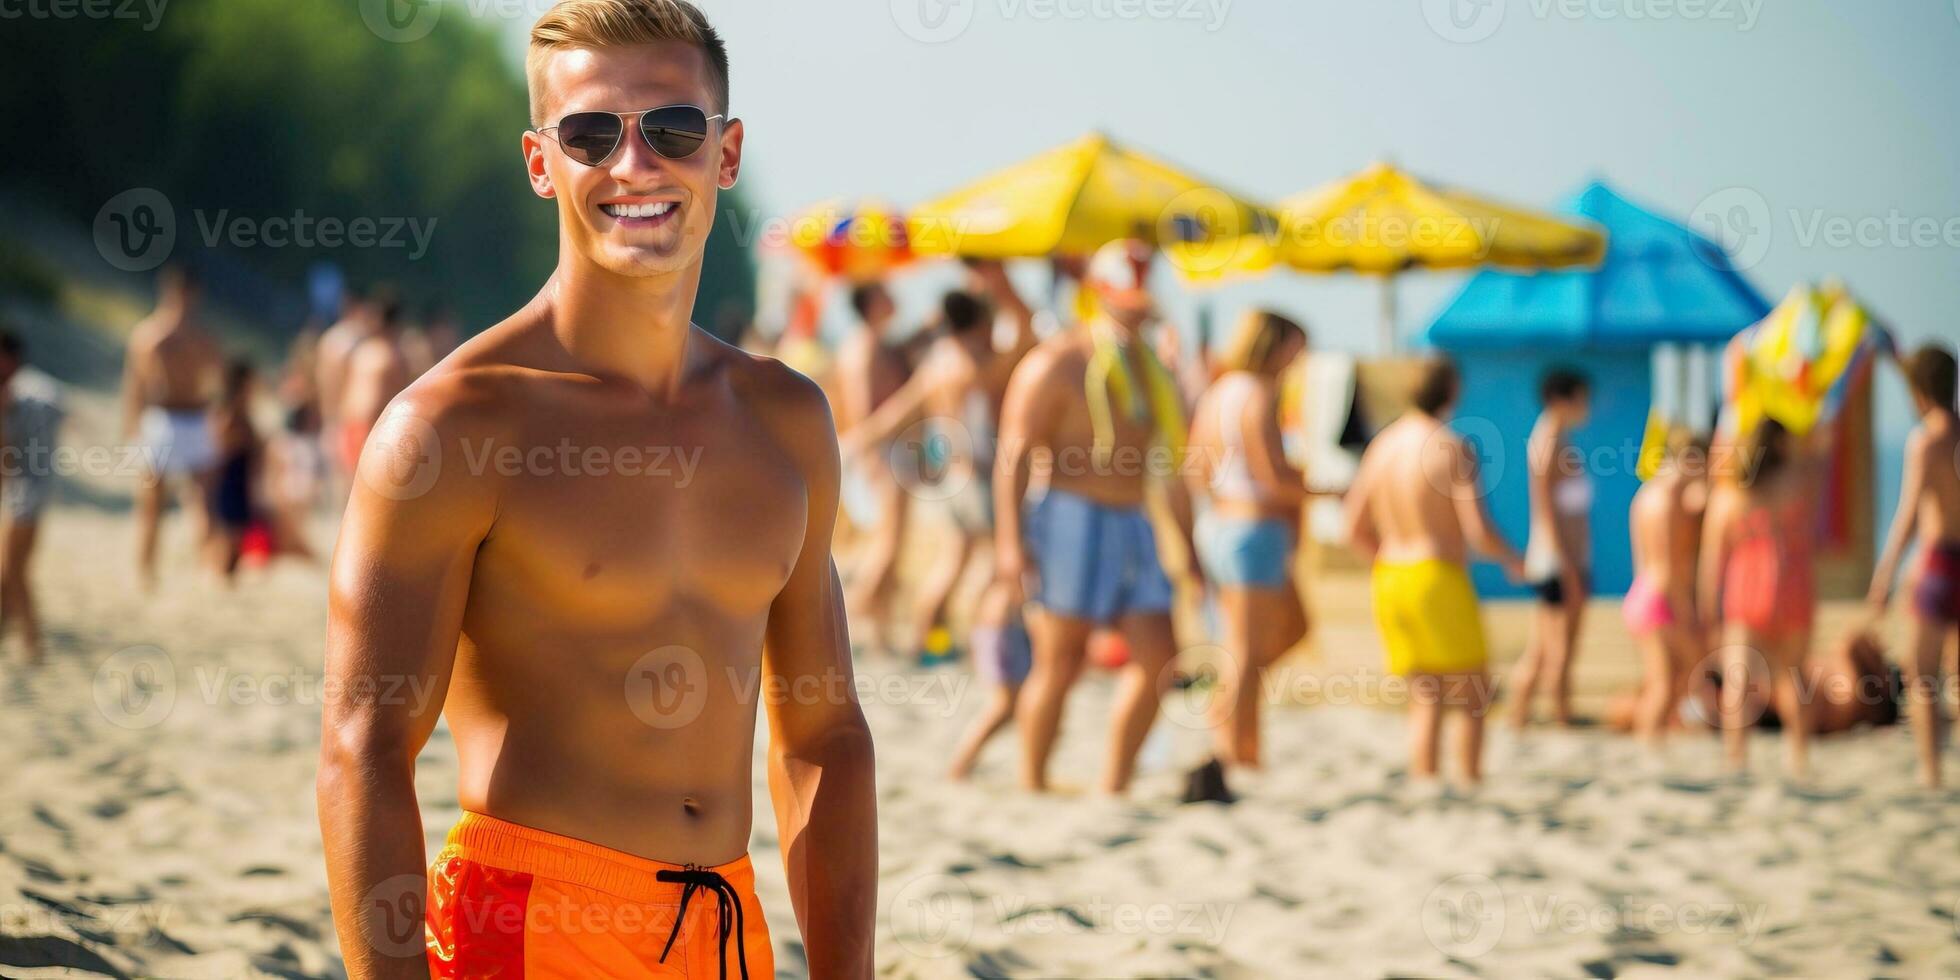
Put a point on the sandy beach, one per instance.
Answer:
(160, 821)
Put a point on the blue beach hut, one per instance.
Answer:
(1646, 326)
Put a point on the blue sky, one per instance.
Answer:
(1835, 120)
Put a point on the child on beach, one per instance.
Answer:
(234, 490)
(1929, 501)
(1001, 656)
(1758, 558)
(1660, 605)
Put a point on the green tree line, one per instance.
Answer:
(263, 109)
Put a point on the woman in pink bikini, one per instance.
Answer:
(1758, 552)
(1665, 522)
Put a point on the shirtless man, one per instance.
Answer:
(1091, 401)
(330, 358)
(378, 368)
(170, 371)
(869, 370)
(956, 391)
(1416, 510)
(1929, 500)
(597, 624)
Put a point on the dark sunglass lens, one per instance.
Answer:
(589, 137)
(675, 132)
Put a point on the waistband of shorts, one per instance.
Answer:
(1943, 555)
(1078, 500)
(487, 840)
(1413, 564)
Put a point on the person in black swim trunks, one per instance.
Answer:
(233, 492)
(1558, 558)
(1929, 500)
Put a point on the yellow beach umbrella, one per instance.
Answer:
(1383, 221)
(1073, 199)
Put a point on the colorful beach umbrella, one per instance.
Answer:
(1796, 365)
(1073, 199)
(856, 242)
(1383, 221)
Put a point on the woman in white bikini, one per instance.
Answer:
(1247, 527)
(1558, 560)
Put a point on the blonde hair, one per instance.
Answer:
(614, 23)
(1259, 334)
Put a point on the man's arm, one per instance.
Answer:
(1479, 530)
(132, 388)
(1714, 555)
(399, 580)
(905, 406)
(1912, 482)
(1266, 448)
(820, 760)
(1358, 509)
(1027, 421)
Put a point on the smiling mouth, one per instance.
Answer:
(648, 215)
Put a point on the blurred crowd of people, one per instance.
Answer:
(1066, 451)
(248, 464)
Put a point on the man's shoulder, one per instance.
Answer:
(1054, 355)
(775, 390)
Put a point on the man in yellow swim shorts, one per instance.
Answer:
(1416, 508)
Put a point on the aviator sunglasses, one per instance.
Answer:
(673, 131)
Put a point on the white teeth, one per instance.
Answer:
(637, 210)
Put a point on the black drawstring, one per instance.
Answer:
(725, 897)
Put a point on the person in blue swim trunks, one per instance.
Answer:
(1251, 501)
(1096, 415)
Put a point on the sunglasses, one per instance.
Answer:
(673, 131)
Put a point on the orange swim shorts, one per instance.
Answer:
(510, 901)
